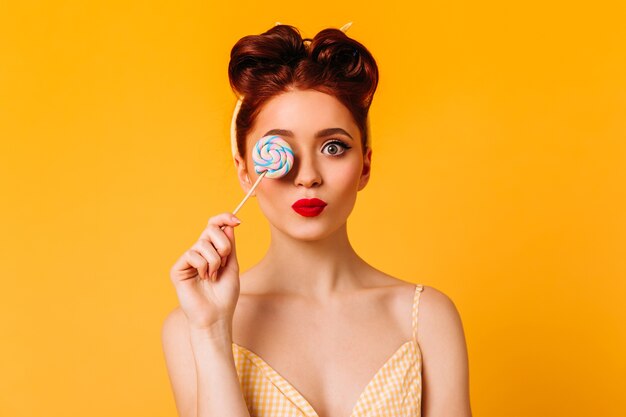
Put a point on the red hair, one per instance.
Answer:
(280, 60)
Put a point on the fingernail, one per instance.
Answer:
(214, 276)
(236, 220)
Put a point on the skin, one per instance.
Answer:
(309, 256)
(314, 294)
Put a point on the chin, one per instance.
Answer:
(307, 229)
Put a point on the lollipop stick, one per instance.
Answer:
(247, 195)
(250, 192)
(204, 283)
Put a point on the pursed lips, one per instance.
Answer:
(309, 207)
(309, 202)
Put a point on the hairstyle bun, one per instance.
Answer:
(279, 60)
(254, 58)
(346, 60)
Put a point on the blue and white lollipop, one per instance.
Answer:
(273, 158)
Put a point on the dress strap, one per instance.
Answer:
(416, 299)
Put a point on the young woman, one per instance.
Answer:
(312, 330)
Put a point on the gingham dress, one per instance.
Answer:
(394, 391)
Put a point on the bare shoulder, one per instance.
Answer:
(175, 339)
(179, 361)
(442, 342)
(174, 317)
(437, 306)
(174, 329)
(439, 322)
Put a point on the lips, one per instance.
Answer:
(309, 207)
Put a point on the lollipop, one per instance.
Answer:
(273, 158)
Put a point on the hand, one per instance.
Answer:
(206, 276)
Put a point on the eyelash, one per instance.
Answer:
(338, 142)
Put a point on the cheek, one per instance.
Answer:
(271, 192)
(346, 176)
(340, 178)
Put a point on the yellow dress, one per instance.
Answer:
(394, 391)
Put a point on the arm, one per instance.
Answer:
(202, 370)
(445, 362)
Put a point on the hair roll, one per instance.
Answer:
(279, 60)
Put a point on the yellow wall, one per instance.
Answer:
(499, 177)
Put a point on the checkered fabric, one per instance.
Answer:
(394, 391)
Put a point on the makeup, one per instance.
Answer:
(309, 207)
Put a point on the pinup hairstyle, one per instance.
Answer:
(280, 60)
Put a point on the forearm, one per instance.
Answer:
(219, 392)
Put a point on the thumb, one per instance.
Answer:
(231, 262)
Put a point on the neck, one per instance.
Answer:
(315, 269)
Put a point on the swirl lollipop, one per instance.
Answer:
(273, 158)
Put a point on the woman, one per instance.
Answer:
(311, 330)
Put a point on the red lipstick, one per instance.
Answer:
(309, 207)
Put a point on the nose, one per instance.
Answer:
(307, 173)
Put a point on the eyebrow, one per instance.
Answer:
(320, 134)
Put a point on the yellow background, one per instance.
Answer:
(499, 178)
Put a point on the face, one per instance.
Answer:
(329, 164)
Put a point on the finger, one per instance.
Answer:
(232, 257)
(186, 267)
(219, 240)
(196, 260)
(209, 253)
(224, 219)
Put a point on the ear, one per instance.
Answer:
(367, 165)
(242, 173)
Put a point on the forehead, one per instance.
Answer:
(304, 113)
